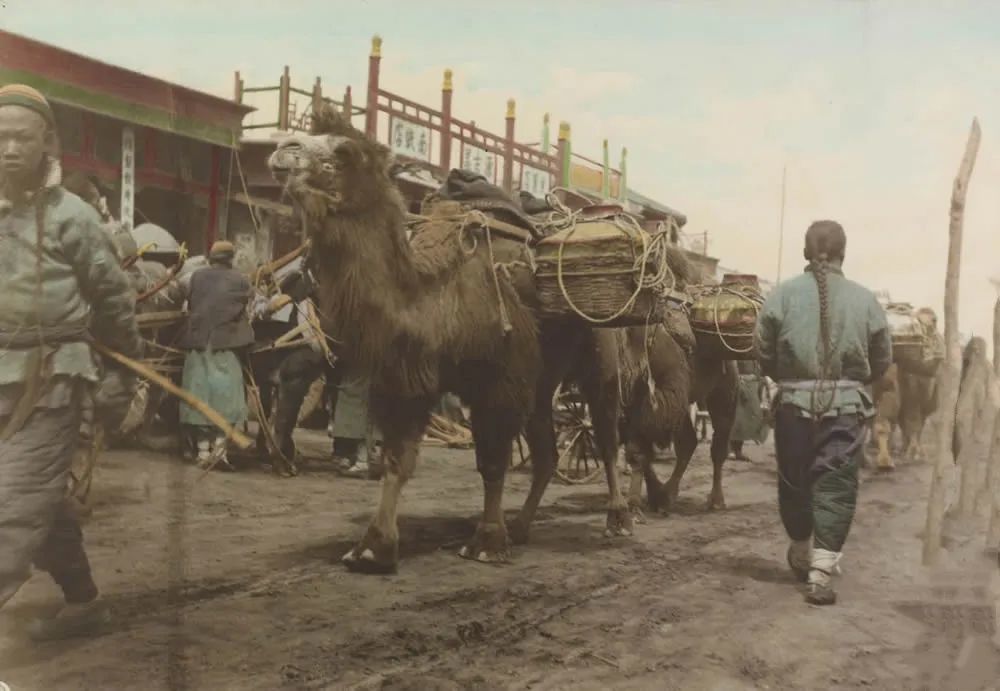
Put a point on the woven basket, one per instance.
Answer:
(724, 317)
(600, 268)
(910, 344)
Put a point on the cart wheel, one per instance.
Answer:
(578, 461)
(520, 460)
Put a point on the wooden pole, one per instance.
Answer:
(953, 354)
(781, 221)
(565, 155)
(447, 91)
(508, 147)
(371, 106)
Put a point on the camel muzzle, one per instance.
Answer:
(285, 160)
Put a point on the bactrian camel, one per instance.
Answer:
(431, 316)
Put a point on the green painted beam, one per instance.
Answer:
(123, 110)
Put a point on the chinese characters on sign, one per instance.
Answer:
(479, 161)
(128, 177)
(537, 182)
(410, 139)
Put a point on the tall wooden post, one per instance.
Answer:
(546, 143)
(623, 178)
(284, 100)
(605, 173)
(446, 94)
(238, 88)
(953, 356)
(348, 104)
(508, 149)
(565, 154)
(317, 98)
(371, 107)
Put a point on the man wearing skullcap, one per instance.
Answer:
(62, 287)
(218, 329)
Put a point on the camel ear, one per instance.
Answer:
(328, 120)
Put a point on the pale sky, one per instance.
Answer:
(867, 103)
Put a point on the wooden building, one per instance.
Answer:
(160, 152)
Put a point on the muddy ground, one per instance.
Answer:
(233, 582)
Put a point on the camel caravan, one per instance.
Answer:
(498, 301)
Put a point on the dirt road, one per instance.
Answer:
(228, 583)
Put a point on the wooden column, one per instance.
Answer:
(508, 149)
(348, 104)
(238, 88)
(446, 97)
(371, 107)
(212, 229)
(546, 143)
(565, 154)
(944, 462)
(317, 97)
(284, 99)
(623, 178)
(605, 173)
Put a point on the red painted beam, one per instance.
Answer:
(143, 176)
(21, 53)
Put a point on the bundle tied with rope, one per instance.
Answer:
(724, 317)
(598, 265)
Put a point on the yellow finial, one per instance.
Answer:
(605, 144)
(545, 118)
(376, 46)
(511, 106)
(564, 130)
(447, 81)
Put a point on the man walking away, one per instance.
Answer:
(218, 327)
(61, 286)
(822, 338)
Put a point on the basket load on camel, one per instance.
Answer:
(724, 316)
(916, 344)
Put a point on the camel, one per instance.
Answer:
(906, 396)
(681, 377)
(453, 310)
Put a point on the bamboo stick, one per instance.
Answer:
(240, 439)
(953, 356)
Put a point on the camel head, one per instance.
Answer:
(334, 169)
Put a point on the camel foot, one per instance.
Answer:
(716, 502)
(519, 531)
(666, 498)
(489, 545)
(638, 517)
(619, 523)
(375, 554)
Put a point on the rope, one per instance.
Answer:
(654, 251)
(753, 297)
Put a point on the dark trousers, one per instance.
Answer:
(818, 464)
(37, 525)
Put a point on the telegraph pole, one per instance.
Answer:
(781, 221)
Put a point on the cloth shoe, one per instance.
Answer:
(72, 620)
(800, 558)
(823, 566)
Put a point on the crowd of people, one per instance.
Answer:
(822, 339)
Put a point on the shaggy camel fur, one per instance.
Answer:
(680, 377)
(434, 316)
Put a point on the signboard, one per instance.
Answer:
(479, 161)
(127, 211)
(410, 139)
(537, 182)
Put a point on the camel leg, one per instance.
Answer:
(722, 409)
(539, 432)
(378, 550)
(638, 458)
(602, 401)
(883, 432)
(493, 432)
(685, 442)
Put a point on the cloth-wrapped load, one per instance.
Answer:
(724, 317)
